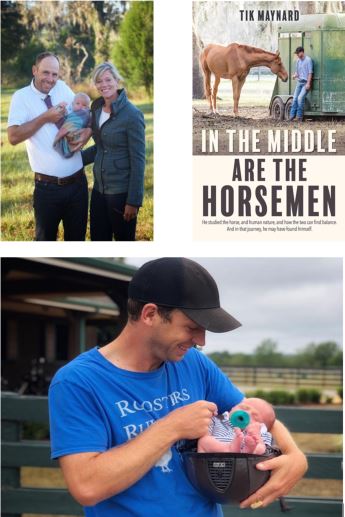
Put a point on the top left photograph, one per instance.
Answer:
(77, 121)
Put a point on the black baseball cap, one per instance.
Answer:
(299, 49)
(183, 284)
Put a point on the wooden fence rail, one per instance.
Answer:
(288, 377)
(17, 453)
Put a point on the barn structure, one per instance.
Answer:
(55, 308)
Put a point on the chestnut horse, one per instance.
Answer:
(234, 62)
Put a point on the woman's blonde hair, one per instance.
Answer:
(104, 67)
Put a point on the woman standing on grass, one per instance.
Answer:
(119, 159)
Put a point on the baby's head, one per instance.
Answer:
(81, 101)
(259, 410)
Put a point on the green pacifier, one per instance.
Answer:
(240, 419)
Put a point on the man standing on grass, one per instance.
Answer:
(36, 113)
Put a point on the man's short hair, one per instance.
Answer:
(134, 308)
(299, 49)
(43, 55)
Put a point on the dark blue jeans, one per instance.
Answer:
(106, 218)
(55, 203)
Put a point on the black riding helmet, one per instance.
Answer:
(224, 477)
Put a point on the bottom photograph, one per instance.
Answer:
(172, 385)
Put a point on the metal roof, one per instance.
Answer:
(99, 282)
(89, 304)
(105, 267)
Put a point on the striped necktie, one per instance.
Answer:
(48, 102)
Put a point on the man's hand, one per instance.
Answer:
(307, 87)
(294, 76)
(192, 421)
(55, 113)
(77, 139)
(130, 212)
(286, 471)
(17, 134)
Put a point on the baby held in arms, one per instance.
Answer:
(79, 118)
(244, 429)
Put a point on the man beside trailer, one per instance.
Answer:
(303, 74)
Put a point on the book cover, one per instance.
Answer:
(268, 120)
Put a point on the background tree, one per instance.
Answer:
(315, 7)
(198, 81)
(322, 355)
(133, 53)
(107, 17)
(327, 354)
(81, 33)
(13, 32)
(266, 354)
(215, 22)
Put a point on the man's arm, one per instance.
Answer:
(17, 134)
(92, 477)
(287, 469)
(308, 85)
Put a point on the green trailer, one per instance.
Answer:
(323, 39)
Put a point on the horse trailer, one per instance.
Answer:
(323, 39)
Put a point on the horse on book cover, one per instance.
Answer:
(234, 62)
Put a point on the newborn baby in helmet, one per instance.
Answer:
(228, 434)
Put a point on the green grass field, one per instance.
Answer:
(17, 217)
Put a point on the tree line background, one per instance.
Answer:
(82, 34)
(322, 355)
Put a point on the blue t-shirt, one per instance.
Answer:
(95, 406)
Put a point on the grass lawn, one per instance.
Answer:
(17, 218)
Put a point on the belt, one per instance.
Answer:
(59, 181)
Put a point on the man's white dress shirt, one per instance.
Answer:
(27, 104)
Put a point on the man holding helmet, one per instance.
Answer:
(117, 411)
